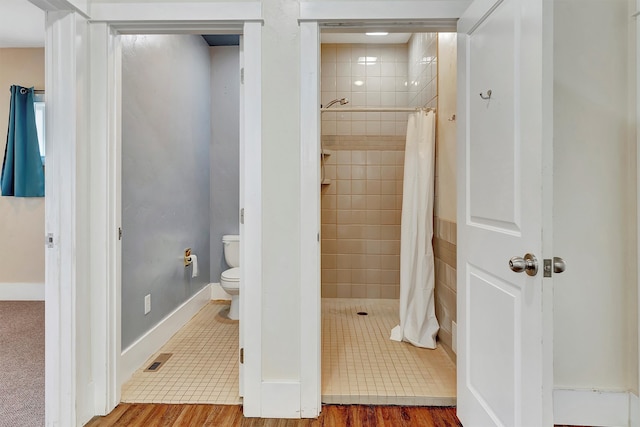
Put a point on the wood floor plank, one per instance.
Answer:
(167, 416)
(113, 416)
(163, 415)
(445, 417)
(189, 416)
(134, 416)
(221, 414)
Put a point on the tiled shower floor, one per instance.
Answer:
(359, 362)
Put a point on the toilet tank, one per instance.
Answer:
(231, 244)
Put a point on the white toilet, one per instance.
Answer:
(230, 279)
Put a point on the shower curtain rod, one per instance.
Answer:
(378, 110)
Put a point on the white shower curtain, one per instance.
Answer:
(418, 323)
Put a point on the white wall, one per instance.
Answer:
(594, 198)
(21, 218)
(166, 137)
(225, 151)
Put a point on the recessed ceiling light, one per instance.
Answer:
(378, 33)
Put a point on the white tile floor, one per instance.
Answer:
(202, 369)
(359, 362)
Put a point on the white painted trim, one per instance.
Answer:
(21, 291)
(118, 368)
(476, 14)
(62, 5)
(634, 410)
(218, 294)
(134, 356)
(251, 264)
(280, 399)
(177, 11)
(64, 73)
(310, 326)
(344, 10)
(104, 203)
(242, 152)
(591, 407)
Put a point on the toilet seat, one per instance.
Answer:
(231, 275)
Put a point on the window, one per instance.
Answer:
(39, 108)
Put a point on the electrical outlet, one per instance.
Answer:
(454, 337)
(147, 304)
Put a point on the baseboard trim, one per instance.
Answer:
(219, 294)
(280, 399)
(21, 291)
(591, 408)
(634, 410)
(135, 356)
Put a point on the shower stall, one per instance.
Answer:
(367, 92)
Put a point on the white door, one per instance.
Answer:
(504, 106)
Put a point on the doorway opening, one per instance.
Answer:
(180, 195)
(370, 84)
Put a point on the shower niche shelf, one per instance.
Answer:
(326, 181)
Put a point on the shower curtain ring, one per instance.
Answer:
(488, 96)
(23, 91)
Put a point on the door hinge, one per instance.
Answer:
(242, 75)
(242, 355)
(48, 240)
(318, 237)
(119, 233)
(242, 216)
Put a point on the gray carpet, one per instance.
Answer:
(21, 363)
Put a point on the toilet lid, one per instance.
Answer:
(231, 275)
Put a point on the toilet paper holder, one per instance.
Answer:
(187, 257)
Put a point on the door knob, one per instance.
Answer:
(529, 264)
(559, 265)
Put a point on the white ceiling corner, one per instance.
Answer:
(21, 24)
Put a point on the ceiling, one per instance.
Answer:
(21, 24)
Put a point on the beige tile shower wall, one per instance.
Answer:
(445, 203)
(423, 70)
(445, 233)
(444, 243)
(361, 211)
(369, 75)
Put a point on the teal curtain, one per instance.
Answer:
(22, 171)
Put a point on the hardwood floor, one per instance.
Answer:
(162, 415)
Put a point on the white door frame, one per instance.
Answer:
(251, 147)
(83, 170)
(65, 257)
(431, 15)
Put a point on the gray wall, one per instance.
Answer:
(166, 133)
(225, 157)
